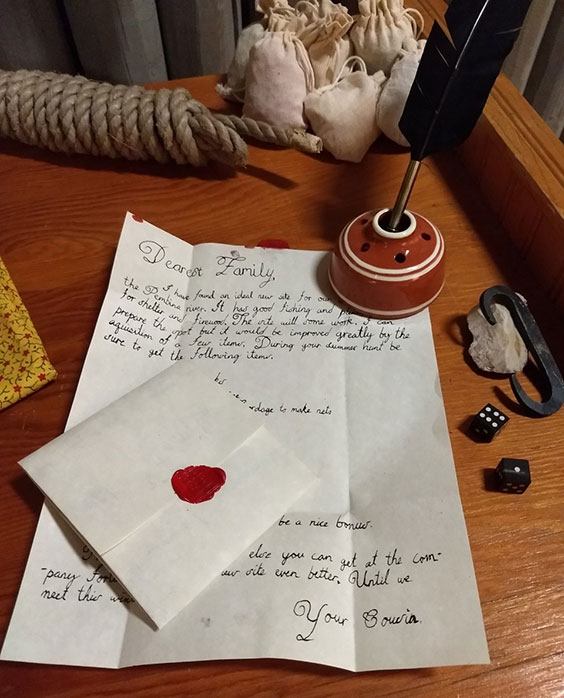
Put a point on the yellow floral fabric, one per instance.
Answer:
(24, 366)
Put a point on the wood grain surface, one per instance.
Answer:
(60, 219)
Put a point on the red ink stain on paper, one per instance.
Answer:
(198, 483)
(274, 243)
(137, 218)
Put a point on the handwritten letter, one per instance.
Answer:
(369, 570)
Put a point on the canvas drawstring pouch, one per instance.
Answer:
(311, 9)
(286, 19)
(330, 47)
(313, 22)
(380, 31)
(343, 114)
(267, 6)
(316, 9)
(233, 89)
(325, 37)
(395, 92)
(412, 40)
(279, 76)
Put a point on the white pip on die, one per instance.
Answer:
(488, 422)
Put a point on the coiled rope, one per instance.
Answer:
(72, 114)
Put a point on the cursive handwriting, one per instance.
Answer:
(304, 608)
(232, 265)
(373, 618)
(154, 253)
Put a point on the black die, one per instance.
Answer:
(513, 475)
(488, 422)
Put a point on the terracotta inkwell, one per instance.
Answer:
(389, 263)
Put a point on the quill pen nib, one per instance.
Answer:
(403, 196)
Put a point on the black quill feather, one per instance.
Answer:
(456, 76)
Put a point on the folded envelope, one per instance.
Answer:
(169, 485)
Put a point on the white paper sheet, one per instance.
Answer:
(170, 484)
(371, 569)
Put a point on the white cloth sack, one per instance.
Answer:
(343, 114)
(234, 86)
(285, 19)
(328, 45)
(380, 31)
(278, 78)
(315, 14)
(266, 6)
(314, 21)
(314, 9)
(395, 92)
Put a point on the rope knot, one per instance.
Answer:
(75, 115)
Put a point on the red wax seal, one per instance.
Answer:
(197, 483)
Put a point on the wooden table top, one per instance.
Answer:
(60, 220)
